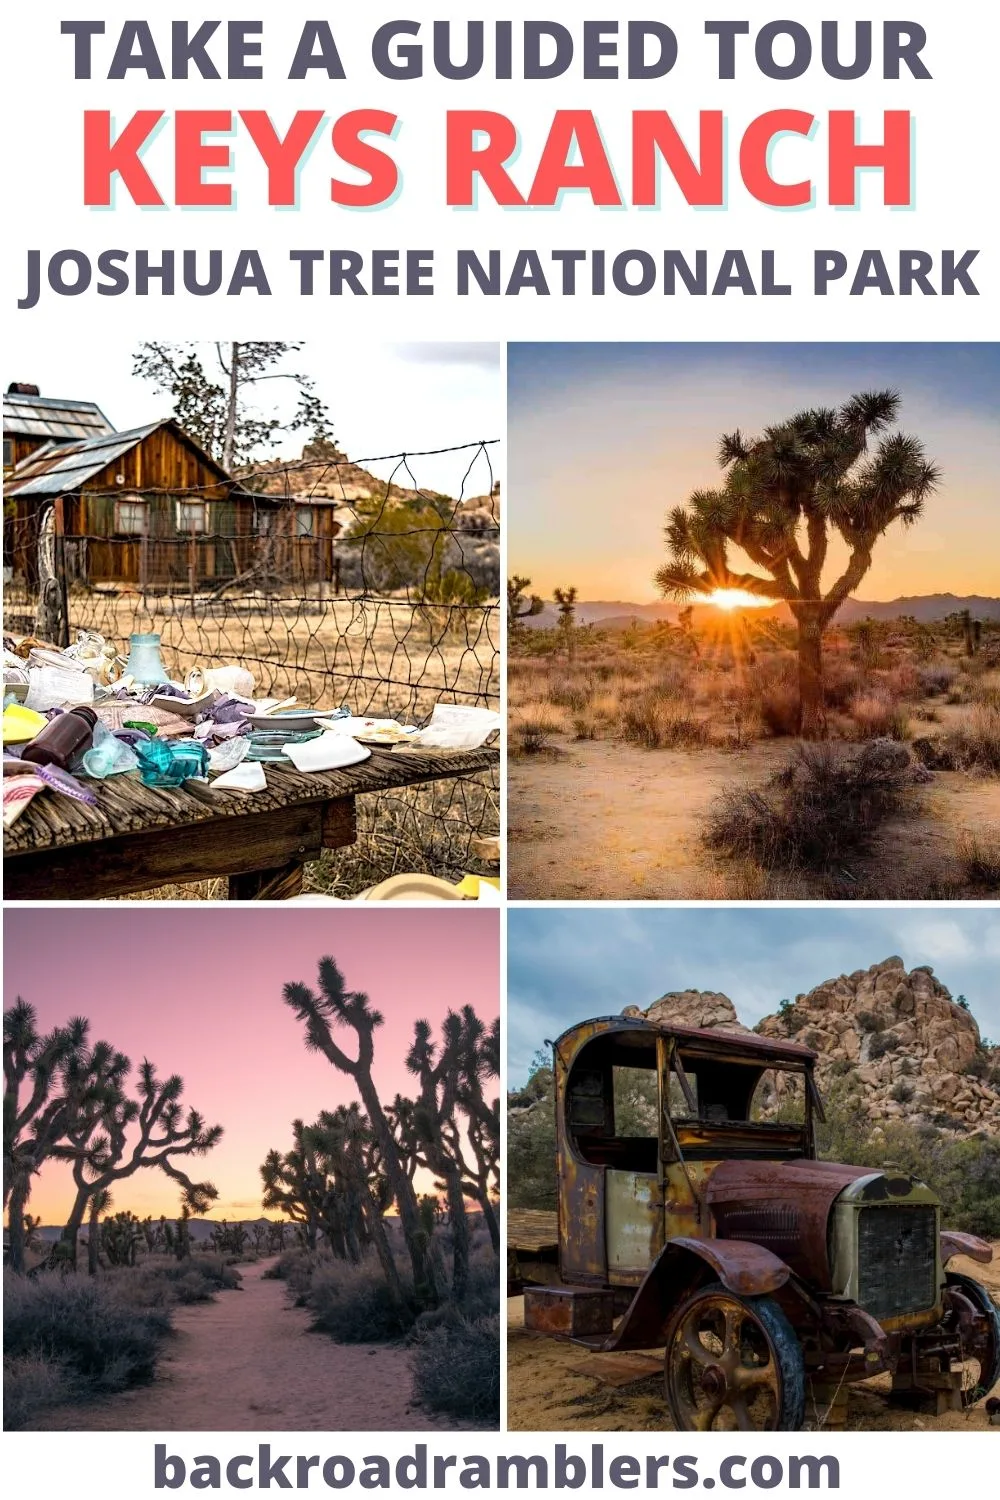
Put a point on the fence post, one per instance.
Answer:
(52, 620)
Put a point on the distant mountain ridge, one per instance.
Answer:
(926, 608)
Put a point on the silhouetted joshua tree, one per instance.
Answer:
(53, 1084)
(520, 606)
(134, 1134)
(334, 1006)
(786, 495)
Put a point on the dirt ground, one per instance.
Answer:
(549, 1389)
(603, 820)
(248, 1362)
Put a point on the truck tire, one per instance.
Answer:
(733, 1363)
(988, 1354)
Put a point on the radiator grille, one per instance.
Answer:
(896, 1259)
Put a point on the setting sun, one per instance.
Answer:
(737, 599)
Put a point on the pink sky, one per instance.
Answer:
(198, 991)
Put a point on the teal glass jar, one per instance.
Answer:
(145, 664)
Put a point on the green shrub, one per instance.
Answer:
(456, 1368)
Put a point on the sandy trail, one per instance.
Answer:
(607, 821)
(248, 1362)
(549, 1391)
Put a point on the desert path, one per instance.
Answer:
(249, 1362)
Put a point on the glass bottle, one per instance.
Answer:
(145, 664)
(62, 738)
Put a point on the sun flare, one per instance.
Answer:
(737, 599)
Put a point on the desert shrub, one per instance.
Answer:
(822, 807)
(585, 726)
(533, 726)
(877, 715)
(456, 1368)
(841, 683)
(352, 1302)
(882, 1044)
(868, 1020)
(901, 1092)
(976, 743)
(32, 1384)
(903, 681)
(295, 1267)
(99, 1339)
(979, 855)
(771, 692)
(938, 678)
(658, 724)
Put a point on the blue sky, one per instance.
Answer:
(565, 964)
(604, 438)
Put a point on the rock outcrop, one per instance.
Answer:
(910, 1050)
(916, 1053)
(691, 1008)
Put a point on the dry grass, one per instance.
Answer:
(979, 853)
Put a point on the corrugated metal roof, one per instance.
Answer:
(52, 417)
(58, 468)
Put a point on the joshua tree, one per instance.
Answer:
(566, 601)
(785, 495)
(120, 1238)
(53, 1084)
(335, 1005)
(130, 1134)
(519, 605)
(438, 1070)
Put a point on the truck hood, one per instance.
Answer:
(784, 1206)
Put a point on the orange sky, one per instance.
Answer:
(603, 439)
(198, 991)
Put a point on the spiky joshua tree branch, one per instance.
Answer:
(818, 475)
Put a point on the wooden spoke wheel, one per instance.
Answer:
(981, 1346)
(733, 1364)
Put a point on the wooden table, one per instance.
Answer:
(137, 837)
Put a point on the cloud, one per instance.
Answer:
(566, 965)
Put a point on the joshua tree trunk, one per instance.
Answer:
(812, 724)
(459, 1236)
(94, 1236)
(380, 1240)
(17, 1238)
(424, 1280)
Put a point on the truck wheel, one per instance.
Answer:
(733, 1364)
(982, 1362)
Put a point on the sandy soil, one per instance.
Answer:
(248, 1362)
(548, 1389)
(608, 821)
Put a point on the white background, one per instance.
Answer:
(955, 200)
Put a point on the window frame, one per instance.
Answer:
(133, 502)
(181, 506)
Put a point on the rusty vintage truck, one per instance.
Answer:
(708, 1228)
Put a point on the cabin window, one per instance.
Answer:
(131, 515)
(304, 520)
(263, 522)
(8, 452)
(191, 515)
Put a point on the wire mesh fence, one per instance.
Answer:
(328, 585)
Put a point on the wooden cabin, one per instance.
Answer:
(152, 509)
(31, 420)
